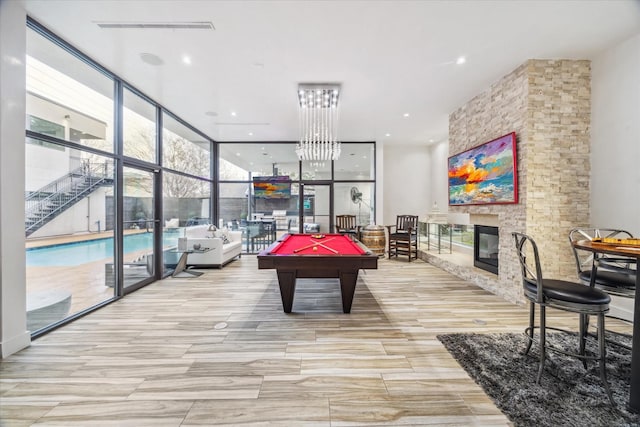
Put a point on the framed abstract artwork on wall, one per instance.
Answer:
(485, 174)
(272, 187)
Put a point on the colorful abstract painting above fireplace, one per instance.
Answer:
(485, 174)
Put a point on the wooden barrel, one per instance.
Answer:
(373, 237)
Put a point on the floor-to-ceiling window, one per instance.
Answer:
(354, 188)
(69, 187)
(257, 190)
(186, 185)
(265, 182)
(118, 177)
(90, 240)
(139, 127)
(139, 146)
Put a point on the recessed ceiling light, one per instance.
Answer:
(151, 59)
(233, 113)
(238, 154)
(250, 133)
(406, 114)
(461, 60)
(186, 59)
(387, 134)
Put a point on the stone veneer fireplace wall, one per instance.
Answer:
(548, 104)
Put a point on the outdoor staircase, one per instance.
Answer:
(48, 202)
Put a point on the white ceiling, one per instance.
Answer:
(391, 57)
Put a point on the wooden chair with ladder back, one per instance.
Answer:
(403, 237)
(346, 224)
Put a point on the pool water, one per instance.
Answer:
(78, 253)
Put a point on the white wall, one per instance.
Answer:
(406, 181)
(44, 165)
(439, 177)
(615, 137)
(615, 145)
(380, 179)
(13, 318)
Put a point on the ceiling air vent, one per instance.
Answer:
(195, 25)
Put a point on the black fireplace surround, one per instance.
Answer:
(485, 248)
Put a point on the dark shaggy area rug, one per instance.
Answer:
(567, 395)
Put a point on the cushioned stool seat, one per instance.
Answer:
(561, 290)
(562, 295)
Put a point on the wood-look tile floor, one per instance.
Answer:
(219, 350)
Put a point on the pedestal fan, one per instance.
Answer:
(356, 197)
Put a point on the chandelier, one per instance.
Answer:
(318, 106)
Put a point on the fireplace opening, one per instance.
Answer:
(485, 248)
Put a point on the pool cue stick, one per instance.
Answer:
(327, 247)
(317, 243)
(304, 247)
(325, 241)
(295, 251)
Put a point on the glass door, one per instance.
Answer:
(140, 221)
(316, 207)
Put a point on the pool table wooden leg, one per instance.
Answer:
(287, 282)
(348, 281)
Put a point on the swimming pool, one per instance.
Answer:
(78, 253)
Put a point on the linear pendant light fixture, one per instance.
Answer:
(318, 106)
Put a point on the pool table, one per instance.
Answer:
(317, 256)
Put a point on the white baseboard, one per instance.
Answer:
(621, 308)
(15, 344)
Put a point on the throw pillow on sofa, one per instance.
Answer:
(222, 235)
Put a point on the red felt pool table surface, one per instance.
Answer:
(336, 256)
(314, 244)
